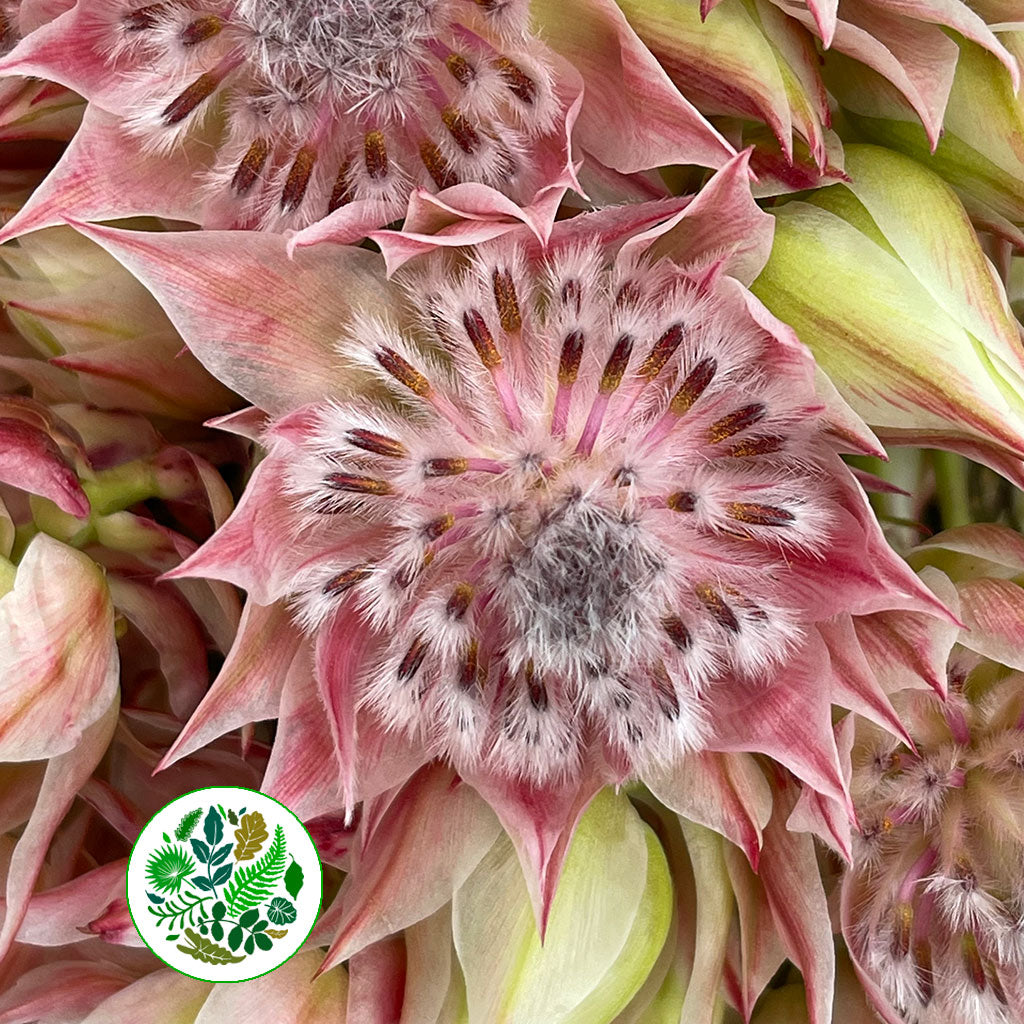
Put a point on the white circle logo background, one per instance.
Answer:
(182, 875)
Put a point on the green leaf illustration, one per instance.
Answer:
(222, 874)
(277, 933)
(213, 827)
(176, 911)
(201, 850)
(235, 937)
(207, 950)
(251, 836)
(253, 883)
(248, 919)
(281, 911)
(218, 910)
(217, 931)
(168, 867)
(232, 817)
(293, 878)
(250, 944)
(187, 824)
(220, 854)
(263, 941)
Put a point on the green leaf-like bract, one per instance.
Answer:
(254, 883)
(207, 950)
(293, 878)
(188, 824)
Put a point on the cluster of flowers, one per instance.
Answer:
(465, 437)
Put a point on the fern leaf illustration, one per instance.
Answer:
(254, 883)
(188, 824)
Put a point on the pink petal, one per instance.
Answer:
(163, 997)
(376, 989)
(31, 460)
(724, 792)
(998, 545)
(993, 614)
(435, 832)
(58, 657)
(249, 685)
(65, 775)
(61, 992)
(633, 117)
(262, 322)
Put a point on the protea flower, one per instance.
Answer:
(583, 518)
(278, 115)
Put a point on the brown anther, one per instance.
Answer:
(202, 28)
(615, 368)
(469, 670)
(410, 664)
(464, 134)
(459, 68)
(681, 501)
(379, 444)
(762, 444)
(715, 604)
(664, 692)
(297, 182)
(357, 484)
(459, 601)
(346, 579)
(445, 467)
(402, 371)
(759, 515)
(923, 971)
(677, 631)
(902, 928)
(994, 983)
(972, 961)
(634, 733)
(490, 5)
(662, 351)
(734, 422)
(436, 165)
(438, 526)
(628, 295)
(519, 83)
(507, 301)
(569, 360)
(142, 18)
(481, 338)
(341, 194)
(249, 167)
(535, 688)
(375, 155)
(182, 105)
(572, 296)
(696, 383)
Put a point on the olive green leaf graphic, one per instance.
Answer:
(207, 951)
(293, 878)
(251, 836)
(188, 824)
(253, 884)
(281, 911)
(167, 868)
(277, 933)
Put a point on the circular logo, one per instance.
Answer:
(224, 884)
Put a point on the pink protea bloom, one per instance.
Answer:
(935, 903)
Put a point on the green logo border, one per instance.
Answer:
(186, 796)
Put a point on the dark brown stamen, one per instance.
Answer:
(572, 296)
(402, 371)
(249, 167)
(341, 194)
(615, 368)
(992, 973)
(904, 924)
(379, 444)
(464, 134)
(181, 106)
(445, 467)
(470, 667)
(681, 501)
(629, 295)
(413, 659)
(202, 28)
(436, 165)
(459, 68)
(735, 421)
(696, 383)
(715, 604)
(519, 83)
(143, 18)
(346, 579)
(634, 733)
(759, 515)
(972, 961)
(357, 484)
(923, 971)
(375, 155)
(762, 444)
(438, 526)
(663, 349)
(459, 602)
(569, 361)
(507, 301)
(677, 631)
(665, 692)
(481, 338)
(535, 688)
(298, 178)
